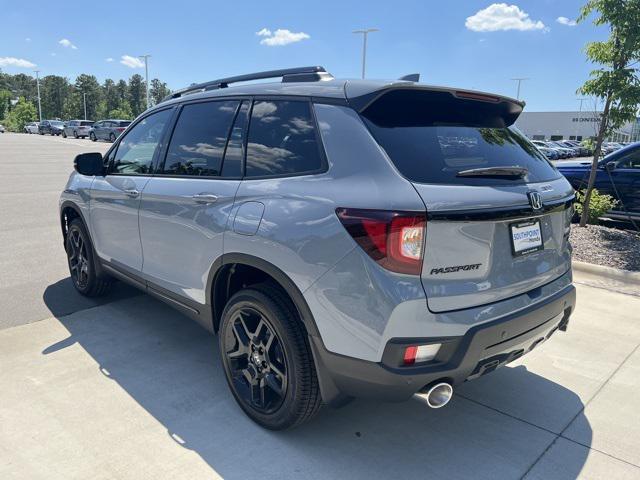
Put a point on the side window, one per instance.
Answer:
(134, 155)
(232, 166)
(282, 139)
(631, 160)
(198, 140)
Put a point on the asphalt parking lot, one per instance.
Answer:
(128, 388)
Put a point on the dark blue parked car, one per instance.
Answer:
(620, 169)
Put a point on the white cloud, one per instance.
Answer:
(131, 62)
(27, 39)
(500, 16)
(280, 37)
(16, 62)
(566, 21)
(66, 43)
(108, 59)
(53, 54)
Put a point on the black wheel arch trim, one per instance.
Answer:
(270, 269)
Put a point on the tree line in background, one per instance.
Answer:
(61, 99)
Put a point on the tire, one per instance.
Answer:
(82, 262)
(64, 134)
(263, 341)
(52, 134)
(75, 134)
(112, 137)
(92, 136)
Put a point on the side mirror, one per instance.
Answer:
(89, 164)
(610, 166)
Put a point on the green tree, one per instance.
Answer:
(22, 113)
(137, 94)
(110, 95)
(87, 85)
(157, 91)
(123, 112)
(53, 92)
(5, 103)
(616, 82)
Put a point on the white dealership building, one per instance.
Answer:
(570, 126)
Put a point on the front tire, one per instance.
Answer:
(82, 262)
(112, 138)
(64, 134)
(92, 136)
(267, 358)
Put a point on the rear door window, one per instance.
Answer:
(431, 140)
(199, 138)
(282, 139)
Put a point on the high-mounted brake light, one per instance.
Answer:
(477, 96)
(395, 240)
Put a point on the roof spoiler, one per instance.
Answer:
(297, 74)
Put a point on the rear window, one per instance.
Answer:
(86, 124)
(430, 138)
(123, 124)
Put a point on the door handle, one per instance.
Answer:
(133, 193)
(205, 197)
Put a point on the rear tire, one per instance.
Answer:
(92, 136)
(64, 134)
(82, 262)
(75, 134)
(267, 358)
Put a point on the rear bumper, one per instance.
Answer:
(481, 350)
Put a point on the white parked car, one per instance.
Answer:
(31, 127)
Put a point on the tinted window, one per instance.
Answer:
(282, 139)
(232, 166)
(135, 152)
(432, 137)
(630, 160)
(198, 140)
(86, 124)
(122, 124)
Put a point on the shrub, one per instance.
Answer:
(598, 206)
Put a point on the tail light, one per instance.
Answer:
(395, 240)
(120, 129)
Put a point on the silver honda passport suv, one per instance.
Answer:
(342, 238)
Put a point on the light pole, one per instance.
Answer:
(146, 74)
(365, 33)
(519, 80)
(38, 85)
(84, 98)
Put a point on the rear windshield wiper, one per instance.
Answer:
(501, 172)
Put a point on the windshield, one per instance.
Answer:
(56, 123)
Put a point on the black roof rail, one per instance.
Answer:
(297, 74)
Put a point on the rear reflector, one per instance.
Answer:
(420, 353)
(395, 240)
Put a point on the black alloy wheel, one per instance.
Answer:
(257, 362)
(267, 358)
(92, 136)
(81, 260)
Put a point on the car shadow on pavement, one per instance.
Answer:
(170, 367)
(61, 298)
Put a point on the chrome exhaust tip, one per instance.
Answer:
(438, 395)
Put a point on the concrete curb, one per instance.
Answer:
(607, 272)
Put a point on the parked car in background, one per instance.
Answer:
(77, 128)
(550, 153)
(1, 128)
(618, 175)
(31, 127)
(52, 127)
(108, 129)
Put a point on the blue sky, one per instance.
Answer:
(468, 44)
